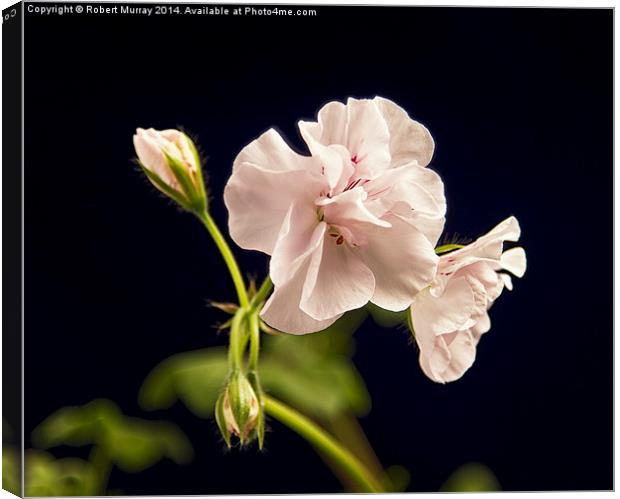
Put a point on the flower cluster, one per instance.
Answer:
(357, 221)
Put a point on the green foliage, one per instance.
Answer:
(132, 444)
(46, 476)
(471, 477)
(194, 377)
(385, 318)
(313, 373)
(10, 471)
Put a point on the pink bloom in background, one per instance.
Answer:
(355, 221)
(450, 315)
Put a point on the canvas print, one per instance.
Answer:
(287, 249)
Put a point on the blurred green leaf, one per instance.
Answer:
(80, 425)
(46, 476)
(471, 477)
(135, 444)
(385, 318)
(313, 373)
(10, 471)
(132, 444)
(399, 477)
(194, 377)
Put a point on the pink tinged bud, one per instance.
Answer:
(171, 162)
(238, 410)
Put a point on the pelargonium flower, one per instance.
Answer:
(450, 316)
(355, 221)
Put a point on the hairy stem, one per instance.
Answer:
(229, 258)
(261, 294)
(325, 443)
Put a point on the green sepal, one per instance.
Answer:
(445, 248)
(165, 188)
(220, 419)
(181, 173)
(260, 422)
(199, 177)
(240, 396)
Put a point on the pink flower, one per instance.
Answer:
(355, 221)
(450, 315)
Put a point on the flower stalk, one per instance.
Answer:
(324, 442)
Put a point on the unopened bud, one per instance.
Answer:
(171, 162)
(238, 410)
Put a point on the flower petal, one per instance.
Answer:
(414, 192)
(433, 316)
(454, 354)
(332, 125)
(337, 281)
(300, 234)
(487, 248)
(267, 177)
(409, 140)
(282, 310)
(348, 208)
(150, 155)
(335, 159)
(368, 138)
(514, 261)
(402, 260)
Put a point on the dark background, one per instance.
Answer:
(519, 102)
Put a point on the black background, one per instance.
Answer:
(519, 102)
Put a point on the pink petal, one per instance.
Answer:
(335, 159)
(409, 140)
(433, 316)
(348, 208)
(455, 353)
(282, 310)
(487, 248)
(514, 261)
(337, 281)
(368, 138)
(420, 189)
(402, 260)
(150, 155)
(332, 125)
(300, 234)
(267, 177)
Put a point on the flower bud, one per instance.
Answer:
(238, 410)
(171, 162)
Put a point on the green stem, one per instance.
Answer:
(237, 341)
(261, 294)
(309, 430)
(231, 263)
(100, 460)
(254, 340)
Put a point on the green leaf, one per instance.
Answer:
(46, 476)
(75, 425)
(11, 471)
(134, 444)
(471, 477)
(194, 377)
(131, 443)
